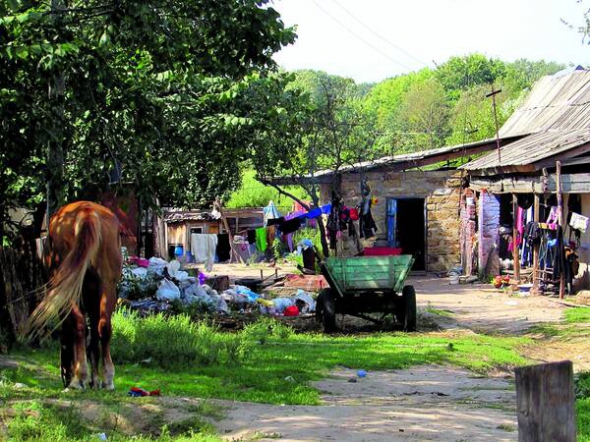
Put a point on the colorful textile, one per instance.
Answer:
(261, 239)
(326, 208)
(270, 212)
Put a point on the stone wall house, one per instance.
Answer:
(436, 193)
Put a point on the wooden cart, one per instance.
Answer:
(367, 284)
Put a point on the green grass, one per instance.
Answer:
(578, 315)
(274, 353)
(576, 326)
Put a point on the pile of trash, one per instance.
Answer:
(155, 285)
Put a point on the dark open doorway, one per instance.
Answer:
(406, 228)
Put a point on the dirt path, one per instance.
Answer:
(482, 308)
(423, 403)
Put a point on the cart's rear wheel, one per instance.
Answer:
(409, 308)
(326, 310)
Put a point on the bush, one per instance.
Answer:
(175, 341)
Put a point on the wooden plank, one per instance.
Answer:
(560, 221)
(536, 208)
(545, 402)
(571, 183)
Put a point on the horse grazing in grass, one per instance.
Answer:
(84, 261)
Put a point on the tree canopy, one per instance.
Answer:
(174, 93)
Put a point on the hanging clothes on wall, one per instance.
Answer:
(290, 226)
(251, 236)
(368, 228)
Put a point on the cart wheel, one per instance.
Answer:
(326, 310)
(409, 306)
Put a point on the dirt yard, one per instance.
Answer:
(441, 403)
(422, 403)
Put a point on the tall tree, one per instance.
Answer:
(328, 131)
(161, 87)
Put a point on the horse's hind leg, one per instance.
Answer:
(67, 351)
(91, 299)
(107, 306)
(79, 334)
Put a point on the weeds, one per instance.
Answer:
(174, 341)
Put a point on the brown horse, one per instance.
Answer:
(84, 262)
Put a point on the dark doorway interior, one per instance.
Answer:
(408, 228)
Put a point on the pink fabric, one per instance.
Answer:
(519, 224)
(382, 251)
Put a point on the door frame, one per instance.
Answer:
(425, 232)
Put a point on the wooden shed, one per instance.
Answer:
(548, 166)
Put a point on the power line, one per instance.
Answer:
(360, 38)
(368, 28)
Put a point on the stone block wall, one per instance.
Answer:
(440, 190)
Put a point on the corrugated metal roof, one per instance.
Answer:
(532, 149)
(188, 215)
(555, 103)
(556, 115)
(407, 158)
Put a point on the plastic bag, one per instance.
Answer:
(167, 290)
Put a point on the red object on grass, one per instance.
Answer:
(382, 251)
(292, 310)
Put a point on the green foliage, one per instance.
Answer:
(583, 420)
(89, 86)
(260, 377)
(253, 193)
(582, 385)
(577, 315)
(174, 341)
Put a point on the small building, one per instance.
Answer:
(416, 210)
(181, 224)
(552, 128)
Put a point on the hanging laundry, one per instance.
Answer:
(223, 247)
(270, 212)
(290, 226)
(203, 247)
(251, 236)
(261, 239)
(578, 222)
(271, 234)
(276, 221)
(313, 213)
(367, 223)
(298, 207)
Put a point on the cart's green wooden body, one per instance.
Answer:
(368, 284)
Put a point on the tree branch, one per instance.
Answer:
(283, 192)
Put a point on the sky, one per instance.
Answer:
(371, 40)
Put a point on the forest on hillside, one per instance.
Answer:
(349, 122)
(436, 107)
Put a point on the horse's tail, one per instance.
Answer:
(65, 287)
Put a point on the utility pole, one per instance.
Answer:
(493, 95)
